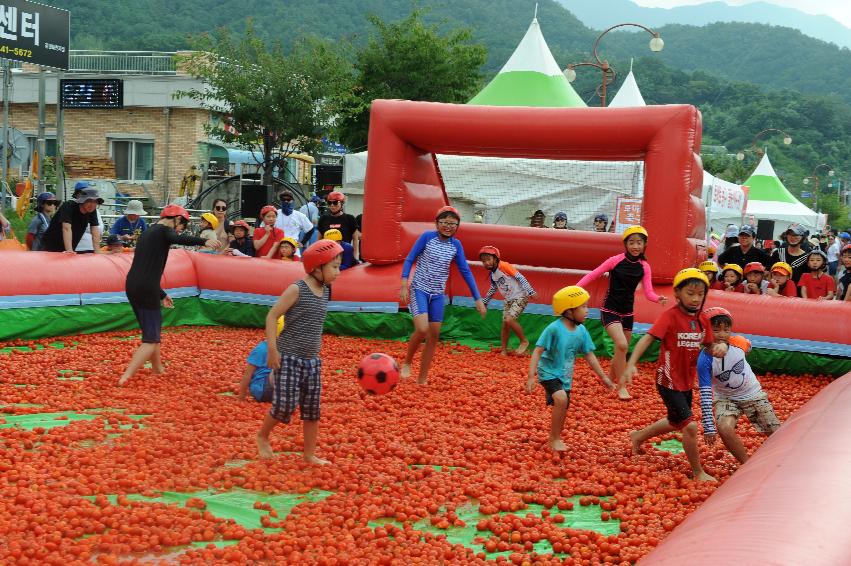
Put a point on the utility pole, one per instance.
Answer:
(4, 161)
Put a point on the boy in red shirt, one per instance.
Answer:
(781, 284)
(683, 330)
(817, 284)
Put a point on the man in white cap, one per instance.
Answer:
(131, 225)
(71, 220)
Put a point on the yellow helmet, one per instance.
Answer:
(634, 230)
(690, 273)
(782, 266)
(708, 266)
(569, 298)
(280, 324)
(333, 234)
(291, 241)
(211, 218)
(735, 267)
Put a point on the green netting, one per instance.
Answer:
(30, 421)
(461, 325)
(584, 517)
(673, 446)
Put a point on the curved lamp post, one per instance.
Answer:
(787, 139)
(656, 45)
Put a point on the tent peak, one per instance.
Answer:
(629, 95)
(764, 168)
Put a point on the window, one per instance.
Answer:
(134, 160)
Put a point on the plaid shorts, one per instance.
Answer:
(297, 383)
(758, 411)
(513, 308)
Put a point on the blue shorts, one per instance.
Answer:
(427, 303)
(151, 322)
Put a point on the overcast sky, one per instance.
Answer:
(839, 10)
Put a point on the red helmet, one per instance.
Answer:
(845, 248)
(754, 266)
(174, 210)
(267, 209)
(492, 250)
(444, 209)
(240, 224)
(336, 195)
(712, 312)
(320, 253)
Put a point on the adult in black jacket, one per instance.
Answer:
(335, 218)
(745, 252)
(795, 252)
(143, 283)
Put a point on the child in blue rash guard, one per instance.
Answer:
(434, 252)
(729, 378)
(515, 290)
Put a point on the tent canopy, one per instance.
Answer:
(770, 200)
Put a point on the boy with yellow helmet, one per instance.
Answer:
(682, 330)
(730, 279)
(348, 249)
(710, 269)
(626, 270)
(257, 376)
(554, 355)
(288, 247)
(208, 225)
(781, 284)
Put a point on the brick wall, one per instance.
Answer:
(86, 135)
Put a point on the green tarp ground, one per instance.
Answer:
(461, 325)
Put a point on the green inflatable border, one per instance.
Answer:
(461, 325)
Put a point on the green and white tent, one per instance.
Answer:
(768, 199)
(531, 77)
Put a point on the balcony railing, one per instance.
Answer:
(119, 62)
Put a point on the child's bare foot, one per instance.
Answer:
(503, 352)
(264, 447)
(558, 445)
(313, 459)
(703, 476)
(123, 380)
(405, 371)
(160, 369)
(521, 349)
(422, 380)
(636, 445)
(623, 394)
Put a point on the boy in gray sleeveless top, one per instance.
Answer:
(294, 354)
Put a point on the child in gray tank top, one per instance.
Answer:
(294, 354)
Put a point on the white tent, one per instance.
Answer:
(768, 199)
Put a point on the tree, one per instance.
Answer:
(413, 61)
(273, 103)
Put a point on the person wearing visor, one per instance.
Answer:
(744, 252)
(336, 219)
(45, 208)
(294, 224)
(793, 252)
(68, 225)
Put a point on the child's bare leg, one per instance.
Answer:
(557, 423)
(727, 432)
(639, 437)
(621, 345)
(264, 447)
(157, 360)
(690, 448)
(142, 354)
(432, 339)
(504, 335)
(414, 342)
(311, 434)
(518, 330)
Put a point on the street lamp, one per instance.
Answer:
(815, 177)
(787, 139)
(656, 45)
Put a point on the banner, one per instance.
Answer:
(728, 199)
(627, 213)
(34, 33)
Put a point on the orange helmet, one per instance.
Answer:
(173, 210)
(336, 195)
(447, 209)
(492, 250)
(712, 312)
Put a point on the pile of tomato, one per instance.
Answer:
(470, 437)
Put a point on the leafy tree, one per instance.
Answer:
(410, 60)
(272, 102)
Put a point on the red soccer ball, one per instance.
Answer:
(378, 374)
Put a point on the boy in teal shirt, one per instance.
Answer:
(554, 355)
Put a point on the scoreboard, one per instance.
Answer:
(92, 93)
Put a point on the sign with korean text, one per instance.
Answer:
(627, 213)
(34, 33)
(728, 199)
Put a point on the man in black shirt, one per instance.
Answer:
(143, 282)
(745, 252)
(70, 221)
(336, 218)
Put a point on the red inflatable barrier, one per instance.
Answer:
(789, 504)
(403, 187)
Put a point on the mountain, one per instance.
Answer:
(600, 14)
